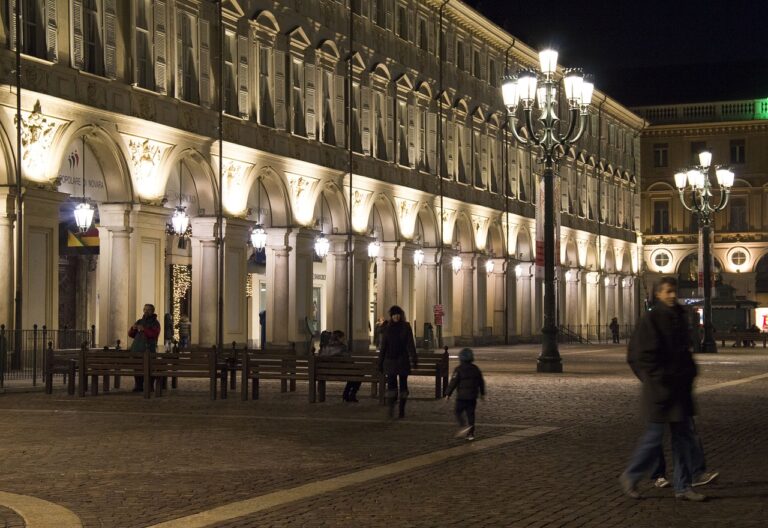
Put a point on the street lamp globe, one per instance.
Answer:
(681, 180)
(322, 246)
(83, 216)
(418, 258)
(180, 221)
(373, 249)
(705, 158)
(258, 237)
(725, 178)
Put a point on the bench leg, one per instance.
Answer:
(283, 385)
(158, 382)
(232, 378)
(255, 389)
(174, 383)
(71, 379)
(321, 391)
(117, 382)
(224, 373)
(293, 385)
(94, 385)
(48, 383)
(105, 383)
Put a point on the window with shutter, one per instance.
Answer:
(203, 66)
(186, 67)
(380, 119)
(243, 88)
(231, 98)
(266, 108)
(310, 100)
(33, 31)
(357, 144)
(477, 160)
(51, 31)
(159, 50)
(339, 110)
(402, 133)
(431, 142)
(366, 120)
(390, 109)
(110, 38)
(280, 90)
(298, 123)
(423, 36)
(402, 22)
(78, 52)
(328, 134)
(93, 61)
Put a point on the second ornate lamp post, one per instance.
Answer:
(523, 91)
(696, 181)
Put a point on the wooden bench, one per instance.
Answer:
(60, 361)
(434, 364)
(285, 366)
(739, 337)
(105, 362)
(197, 363)
(361, 368)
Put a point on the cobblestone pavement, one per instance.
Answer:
(118, 460)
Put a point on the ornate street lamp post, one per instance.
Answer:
(696, 181)
(523, 90)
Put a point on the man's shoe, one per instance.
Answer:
(464, 431)
(690, 495)
(705, 478)
(661, 482)
(628, 487)
(470, 437)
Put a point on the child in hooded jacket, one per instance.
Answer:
(467, 381)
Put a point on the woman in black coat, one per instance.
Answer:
(397, 353)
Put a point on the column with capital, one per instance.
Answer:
(278, 290)
(592, 302)
(204, 280)
(148, 253)
(360, 331)
(406, 285)
(300, 278)
(386, 279)
(572, 312)
(621, 313)
(336, 279)
(524, 274)
(610, 298)
(236, 253)
(447, 285)
(426, 297)
(115, 276)
(480, 301)
(7, 255)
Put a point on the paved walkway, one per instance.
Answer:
(548, 451)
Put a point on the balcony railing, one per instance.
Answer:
(745, 110)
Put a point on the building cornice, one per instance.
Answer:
(706, 128)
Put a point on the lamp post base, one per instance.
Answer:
(708, 347)
(549, 360)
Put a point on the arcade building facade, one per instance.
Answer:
(120, 108)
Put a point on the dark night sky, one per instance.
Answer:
(650, 51)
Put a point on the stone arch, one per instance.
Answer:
(761, 274)
(384, 210)
(592, 263)
(524, 246)
(267, 21)
(381, 70)
(196, 171)
(7, 159)
(626, 262)
(330, 48)
(335, 212)
(609, 265)
(571, 255)
(110, 155)
(495, 243)
(275, 203)
(462, 233)
(660, 186)
(426, 226)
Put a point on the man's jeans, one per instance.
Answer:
(698, 463)
(646, 453)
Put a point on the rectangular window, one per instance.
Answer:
(738, 151)
(380, 113)
(738, 217)
(423, 34)
(423, 138)
(660, 217)
(460, 55)
(357, 7)
(477, 171)
(381, 13)
(32, 27)
(402, 137)
(266, 110)
(492, 75)
(476, 70)
(144, 69)
(402, 22)
(188, 63)
(92, 38)
(357, 142)
(230, 73)
(696, 148)
(329, 135)
(298, 124)
(660, 155)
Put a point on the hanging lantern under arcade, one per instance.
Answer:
(418, 258)
(456, 264)
(83, 216)
(258, 237)
(322, 246)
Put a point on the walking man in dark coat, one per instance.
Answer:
(660, 357)
(397, 353)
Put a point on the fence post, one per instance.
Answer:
(3, 353)
(34, 355)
